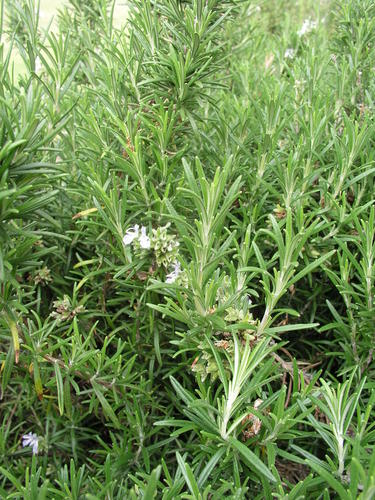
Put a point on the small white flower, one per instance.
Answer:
(307, 26)
(171, 277)
(172, 245)
(144, 240)
(32, 440)
(289, 53)
(298, 84)
(130, 235)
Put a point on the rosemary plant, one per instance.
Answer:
(187, 250)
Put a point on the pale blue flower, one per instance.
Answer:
(32, 440)
(172, 276)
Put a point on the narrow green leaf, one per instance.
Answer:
(330, 479)
(211, 464)
(189, 477)
(251, 460)
(108, 411)
(308, 269)
(152, 484)
(60, 388)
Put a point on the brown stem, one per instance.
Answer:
(78, 373)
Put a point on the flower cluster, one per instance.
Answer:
(65, 310)
(165, 246)
(205, 365)
(161, 243)
(289, 53)
(238, 312)
(239, 315)
(137, 235)
(307, 27)
(43, 276)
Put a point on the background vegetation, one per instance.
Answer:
(187, 251)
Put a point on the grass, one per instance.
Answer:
(49, 9)
(48, 18)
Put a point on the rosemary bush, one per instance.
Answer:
(187, 259)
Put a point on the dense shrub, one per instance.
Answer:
(187, 251)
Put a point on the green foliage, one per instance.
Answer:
(187, 251)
